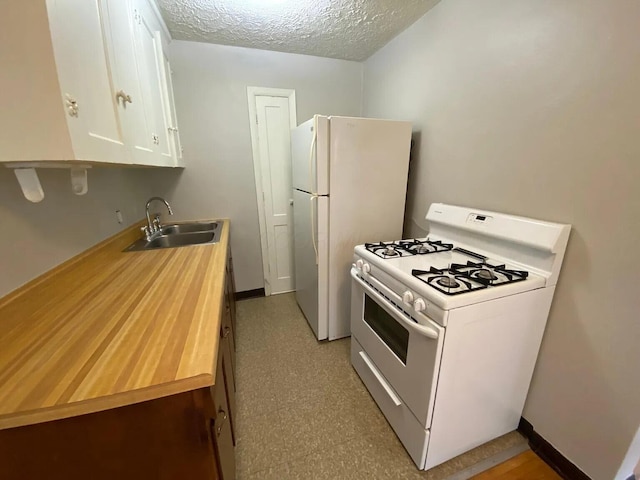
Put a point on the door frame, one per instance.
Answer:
(252, 93)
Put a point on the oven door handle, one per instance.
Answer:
(416, 327)
(381, 380)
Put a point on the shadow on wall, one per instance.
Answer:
(566, 326)
(412, 227)
(62, 225)
(633, 455)
(163, 182)
(70, 222)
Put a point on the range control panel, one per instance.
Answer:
(477, 218)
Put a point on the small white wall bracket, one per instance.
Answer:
(30, 183)
(79, 181)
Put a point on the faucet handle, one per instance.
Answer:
(146, 232)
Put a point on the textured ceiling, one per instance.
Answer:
(347, 29)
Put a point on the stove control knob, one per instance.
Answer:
(419, 305)
(407, 297)
(359, 264)
(366, 268)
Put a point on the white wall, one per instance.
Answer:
(533, 108)
(210, 84)
(35, 237)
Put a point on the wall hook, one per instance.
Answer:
(30, 183)
(79, 181)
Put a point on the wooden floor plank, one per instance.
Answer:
(526, 466)
(507, 466)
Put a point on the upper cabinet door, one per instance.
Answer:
(119, 22)
(87, 95)
(147, 43)
(170, 116)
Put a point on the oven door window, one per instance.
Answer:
(394, 335)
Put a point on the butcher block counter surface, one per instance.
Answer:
(108, 328)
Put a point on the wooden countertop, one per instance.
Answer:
(109, 328)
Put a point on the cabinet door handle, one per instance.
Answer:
(72, 105)
(225, 332)
(120, 95)
(221, 423)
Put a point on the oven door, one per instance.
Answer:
(406, 352)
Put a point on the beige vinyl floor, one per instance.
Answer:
(303, 412)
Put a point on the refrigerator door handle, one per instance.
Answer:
(314, 141)
(313, 226)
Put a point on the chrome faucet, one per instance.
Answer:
(154, 226)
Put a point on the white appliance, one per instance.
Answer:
(348, 174)
(445, 330)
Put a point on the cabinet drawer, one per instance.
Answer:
(409, 430)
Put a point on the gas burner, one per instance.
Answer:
(421, 249)
(485, 274)
(386, 250)
(448, 282)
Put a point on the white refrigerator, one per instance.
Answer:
(349, 187)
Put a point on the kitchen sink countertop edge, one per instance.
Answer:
(110, 328)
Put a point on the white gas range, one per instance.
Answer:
(446, 329)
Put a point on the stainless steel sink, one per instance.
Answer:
(179, 235)
(189, 227)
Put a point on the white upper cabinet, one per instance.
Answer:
(85, 80)
(56, 107)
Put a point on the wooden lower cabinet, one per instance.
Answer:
(182, 436)
(163, 439)
(228, 327)
(222, 433)
(228, 372)
(230, 287)
(188, 435)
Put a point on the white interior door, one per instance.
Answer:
(274, 158)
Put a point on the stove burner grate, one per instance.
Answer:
(385, 250)
(405, 248)
(466, 278)
(489, 274)
(447, 281)
(423, 247)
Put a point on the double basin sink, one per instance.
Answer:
(179, 235)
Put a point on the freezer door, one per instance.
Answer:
(310, 219)
(369, 171)
(309, 156)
